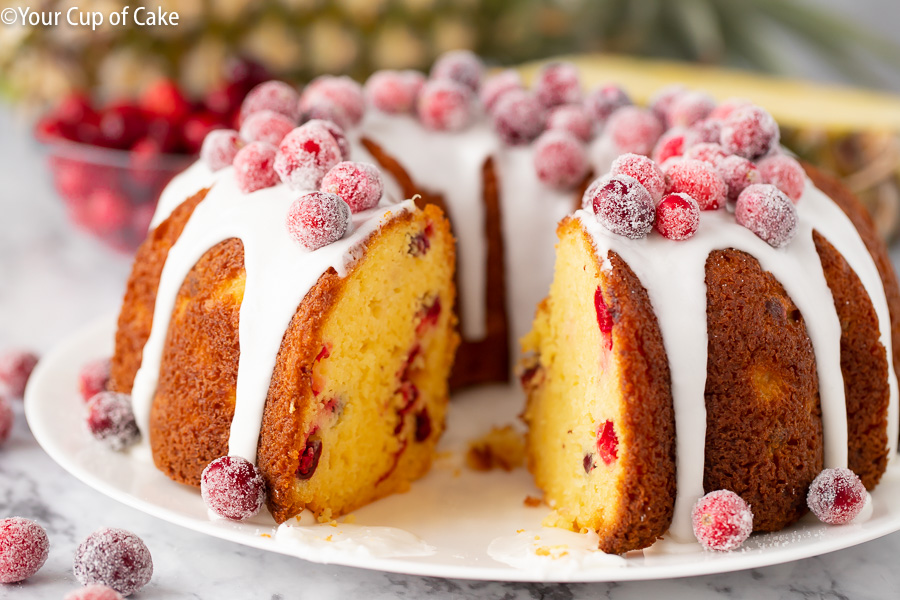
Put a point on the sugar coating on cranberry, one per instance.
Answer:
(737, 172)
(699, 180)
(110, 419)
(768, 212)
(558, 83)
(572, 118)
(785, 173)
(689, 107)
(461, 66)
(750, 132)
(94, 592)
(604, 100)
(495, 86)
(219, 148)
(724, 109)
(445, 105)
(672, 143)
(518, 117)
(336, 132)
(634, 129)
(646, 171)
(359, 184)
(722, 520)
(836, 496)
(93, 377)
(662, 100)
(677, 216)
(272, 95)
(115, 558)
(622, 205)
(318, 219)
(707, 152)
(24, 547)
(706, 130)
(560, 160)
(266, 126)
(305, 155)
(394, 92)
(7, 418)
(254, 166)
(15, 369)
(333, 98)
(232, 488)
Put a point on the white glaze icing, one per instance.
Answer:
(184, 185)
(334, 543)
(552, 551)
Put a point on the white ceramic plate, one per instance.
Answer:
(452, 523)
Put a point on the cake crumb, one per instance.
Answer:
(333, 523)
(520, 531)
(329, 539)
(532, 501)
(265, 535)
(351, 518)
(552, 551)
(501, 447)
(559, 519)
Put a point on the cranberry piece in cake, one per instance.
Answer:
(358, 184)
(604, 100)
(607, 442)
(496, 86)
(634, 129)
(750, 132)
(722, 520)
(339, 99)
(560, 160)
(394, 92)
(661, 101)
(423, 425)
(272, 95)
(836, 496)
(518, 117)
(266, 126)
(461, 66)
(305, 155)
(7, 418)
(94, 591)
(232, 488)
(110, 419)
(115, 558)
(318, 219)
(737, 172)
(309, 459)
(219, 148)
(688, 108)
(573, 118)
(646, 171)
(558, 83)
(254, 166)
(24, 547)
(698, 180)
(672, 143)
(15, 369)
(677, 216)
(622, 205)
(93, 377)
(768, 212)
(785, 173)
(445, 105)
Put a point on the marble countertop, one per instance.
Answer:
(54, 278)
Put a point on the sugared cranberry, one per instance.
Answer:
(423, 425)
(607, 442)
(836, 496)
(15, 369)
(737, 172)
(94, 592)
(688, 108)
(573, 118)
(672, 143)
(785, 173)
(115, 558)
(461, 66)
(305, 155)
(722, 520)
(707, 152)
(661, 101)
(496, 86)
(266, 126)
(317, 219)
(164, 99)
(445, 105)
(337, 133)
(622, 205)
(768, 212)
(24, 547)
(232, 488)
(604, 100)
(358, 184)
(309, 459)
(750, 132)
(646, 171)
(272, 95)
(93, 377)
(706, 130)
(195, 129)
(723, 111)
(677, 216)
(698, 180)
(634, 129)
(338, 99)
(558, 83)
(7, 418)
(560, 160)
(220, 147)
(110, 419)
(254, 165)
(394, 92)
(518, 117)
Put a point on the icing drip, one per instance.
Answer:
(183, 186)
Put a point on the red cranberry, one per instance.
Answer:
(560, 160)
(224, 99)
(15, 369)
(94, 592)
(74, 108)
(272, 95)
(677, 216)
(661, 101)
(93, 377)
(73, 180)
(750, 132)
(672, 143)
(338, 99)
(430, 315)
(836, 496)
(622, 205)
(165, 134)
(105, 211)
(785, 173)
(420, 243)
(644, 170)
(588, 462)
(605, 100)
(110, 419)
(317, 219)
(634, 129)
(518, 117)
(266, 126)
(309, 459)
(572, 118)
(698, 180)
(722, 520)
(358, 184)
(7, 419)
(706, 130)
(232, 488)
(195, 129)
(394, 92)
(305, 155)
(707, 152)
(121, 125)
(254, 165)
(164, 99)
(496, 86)
(115, 558)
(423, 425)
(688, 108)
(24, 547)
(724, 110)
(607, 442)
(461, 66)
(445, 105)
(558, 83)
(737, 172)
(768, 212)
(220, 147)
